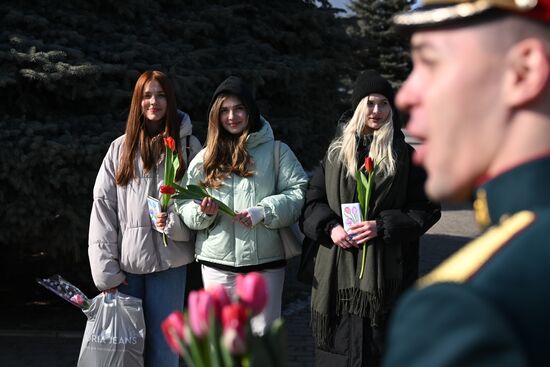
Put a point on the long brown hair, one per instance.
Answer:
(137, 137)
(225, 153)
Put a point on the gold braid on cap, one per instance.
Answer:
(461, 9)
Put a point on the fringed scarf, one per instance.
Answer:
(337, 288)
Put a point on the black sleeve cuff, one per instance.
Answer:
(330, 225)
(380, 228)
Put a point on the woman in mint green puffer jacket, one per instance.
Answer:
(238, 168)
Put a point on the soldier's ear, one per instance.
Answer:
(527, 74)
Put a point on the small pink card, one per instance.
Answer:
(351, 214)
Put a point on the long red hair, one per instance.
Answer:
(137, 137)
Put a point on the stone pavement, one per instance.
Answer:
(60, 348)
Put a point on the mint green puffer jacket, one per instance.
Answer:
(219, 239)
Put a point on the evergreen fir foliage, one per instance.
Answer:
(67, 69)
(384, 49)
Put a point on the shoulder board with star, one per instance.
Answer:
(467, 261)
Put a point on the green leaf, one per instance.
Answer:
(178, 187)
(224, 208)
(197, 189)
(175, 165)
(195, 192)
(186, 195)
(168, 168)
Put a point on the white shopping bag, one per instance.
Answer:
(115, 332)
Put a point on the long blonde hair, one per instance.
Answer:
(344, 147)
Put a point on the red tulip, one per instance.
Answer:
(234, 316)
(170, 143)
(199, 305)
(167, 189)
(369, 164)
(173, 328)
(220, 298)
(234, 342)
(252, 291)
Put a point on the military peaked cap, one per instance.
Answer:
(437, 13)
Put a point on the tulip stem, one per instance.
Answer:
(213, 341)
(245, 361)
(186, 357)
(195, 351)
(363, 258)
(368, 194)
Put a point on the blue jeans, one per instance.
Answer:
(161, 292)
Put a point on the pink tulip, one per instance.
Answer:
(78, 299)
(252, 291)
(220, 297)
(199, 305)
(173, 328)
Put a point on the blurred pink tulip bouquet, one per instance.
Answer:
(214, 331)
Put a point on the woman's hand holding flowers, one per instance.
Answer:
(209, 206)
(161, 221)
(250, 217)
(341, 238)
(243, 218)
(363, 231)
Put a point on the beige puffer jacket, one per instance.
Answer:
(121, 237)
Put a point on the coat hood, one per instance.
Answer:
(186, 128)
(237, 87)
(263, 135)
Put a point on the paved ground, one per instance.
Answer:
(55, 339)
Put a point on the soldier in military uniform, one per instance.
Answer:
(479, 100)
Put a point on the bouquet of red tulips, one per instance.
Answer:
(214, 331)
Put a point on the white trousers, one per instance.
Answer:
(275, 279)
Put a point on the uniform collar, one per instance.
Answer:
(526, 187)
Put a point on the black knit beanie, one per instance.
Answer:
(237, 87)
(369, 82)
